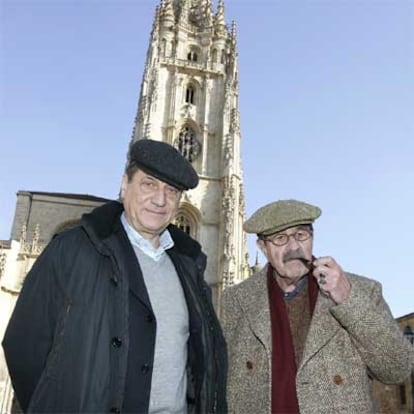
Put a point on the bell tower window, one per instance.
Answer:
(183, 223)
(193, 53)
(188, 144)
(189, 94)
(192, 56)
(187, 220)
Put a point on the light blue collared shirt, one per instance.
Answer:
(166, 241)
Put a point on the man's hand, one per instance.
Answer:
(331, 279)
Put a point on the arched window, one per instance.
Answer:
(183, 223)
(188, 219)
(187, 144)
(223, 57)
(189, 94)
(192, 56)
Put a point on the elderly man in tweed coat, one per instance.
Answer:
(303, 335)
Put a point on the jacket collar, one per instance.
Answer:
(254, 296)
(104, 221)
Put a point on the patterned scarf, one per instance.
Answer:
(284, 397)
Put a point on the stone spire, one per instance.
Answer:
(196, 13)
(189, 98)
(184, 11)
(220, 27)
(232, 52)
(233, 34)
(204, 12)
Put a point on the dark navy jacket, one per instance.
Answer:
(82, 335)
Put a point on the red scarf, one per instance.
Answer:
(284, 397)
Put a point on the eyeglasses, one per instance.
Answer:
(282, 238)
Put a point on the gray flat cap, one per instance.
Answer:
(281, 215)
(164, 162)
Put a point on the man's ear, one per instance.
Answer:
(124, 183)
(261, 244)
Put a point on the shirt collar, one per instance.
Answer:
(302, 283)
(166, 241)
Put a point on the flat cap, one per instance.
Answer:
(281, 215)
(164, 162)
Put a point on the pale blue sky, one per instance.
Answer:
(326, 102)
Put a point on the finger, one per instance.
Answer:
(324, 261)
(322, 279)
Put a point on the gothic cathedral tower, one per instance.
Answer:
(189, 98)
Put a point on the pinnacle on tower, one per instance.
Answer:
(184, 11)
(220, 27)
(198, 13)
(219, 17)
(167, 11)
(233, 34)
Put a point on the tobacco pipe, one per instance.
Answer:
(307, 263)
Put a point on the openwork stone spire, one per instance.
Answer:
(189, 98)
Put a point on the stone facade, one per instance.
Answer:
(397, 399)
(8, 259)
(405, 392)
(49, 213)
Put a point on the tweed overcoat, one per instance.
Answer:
(347, 346)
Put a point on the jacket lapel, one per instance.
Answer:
(322, 328)
(129, 266)
(254, 300)
(137, 285)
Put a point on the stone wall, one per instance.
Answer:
(49, 212)
(396, 399)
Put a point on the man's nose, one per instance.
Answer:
(292, 242)
(159, 198)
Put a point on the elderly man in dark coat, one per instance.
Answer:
(302, 334)
(115, 315)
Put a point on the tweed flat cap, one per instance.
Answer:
(164, 162)
(281, 215)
